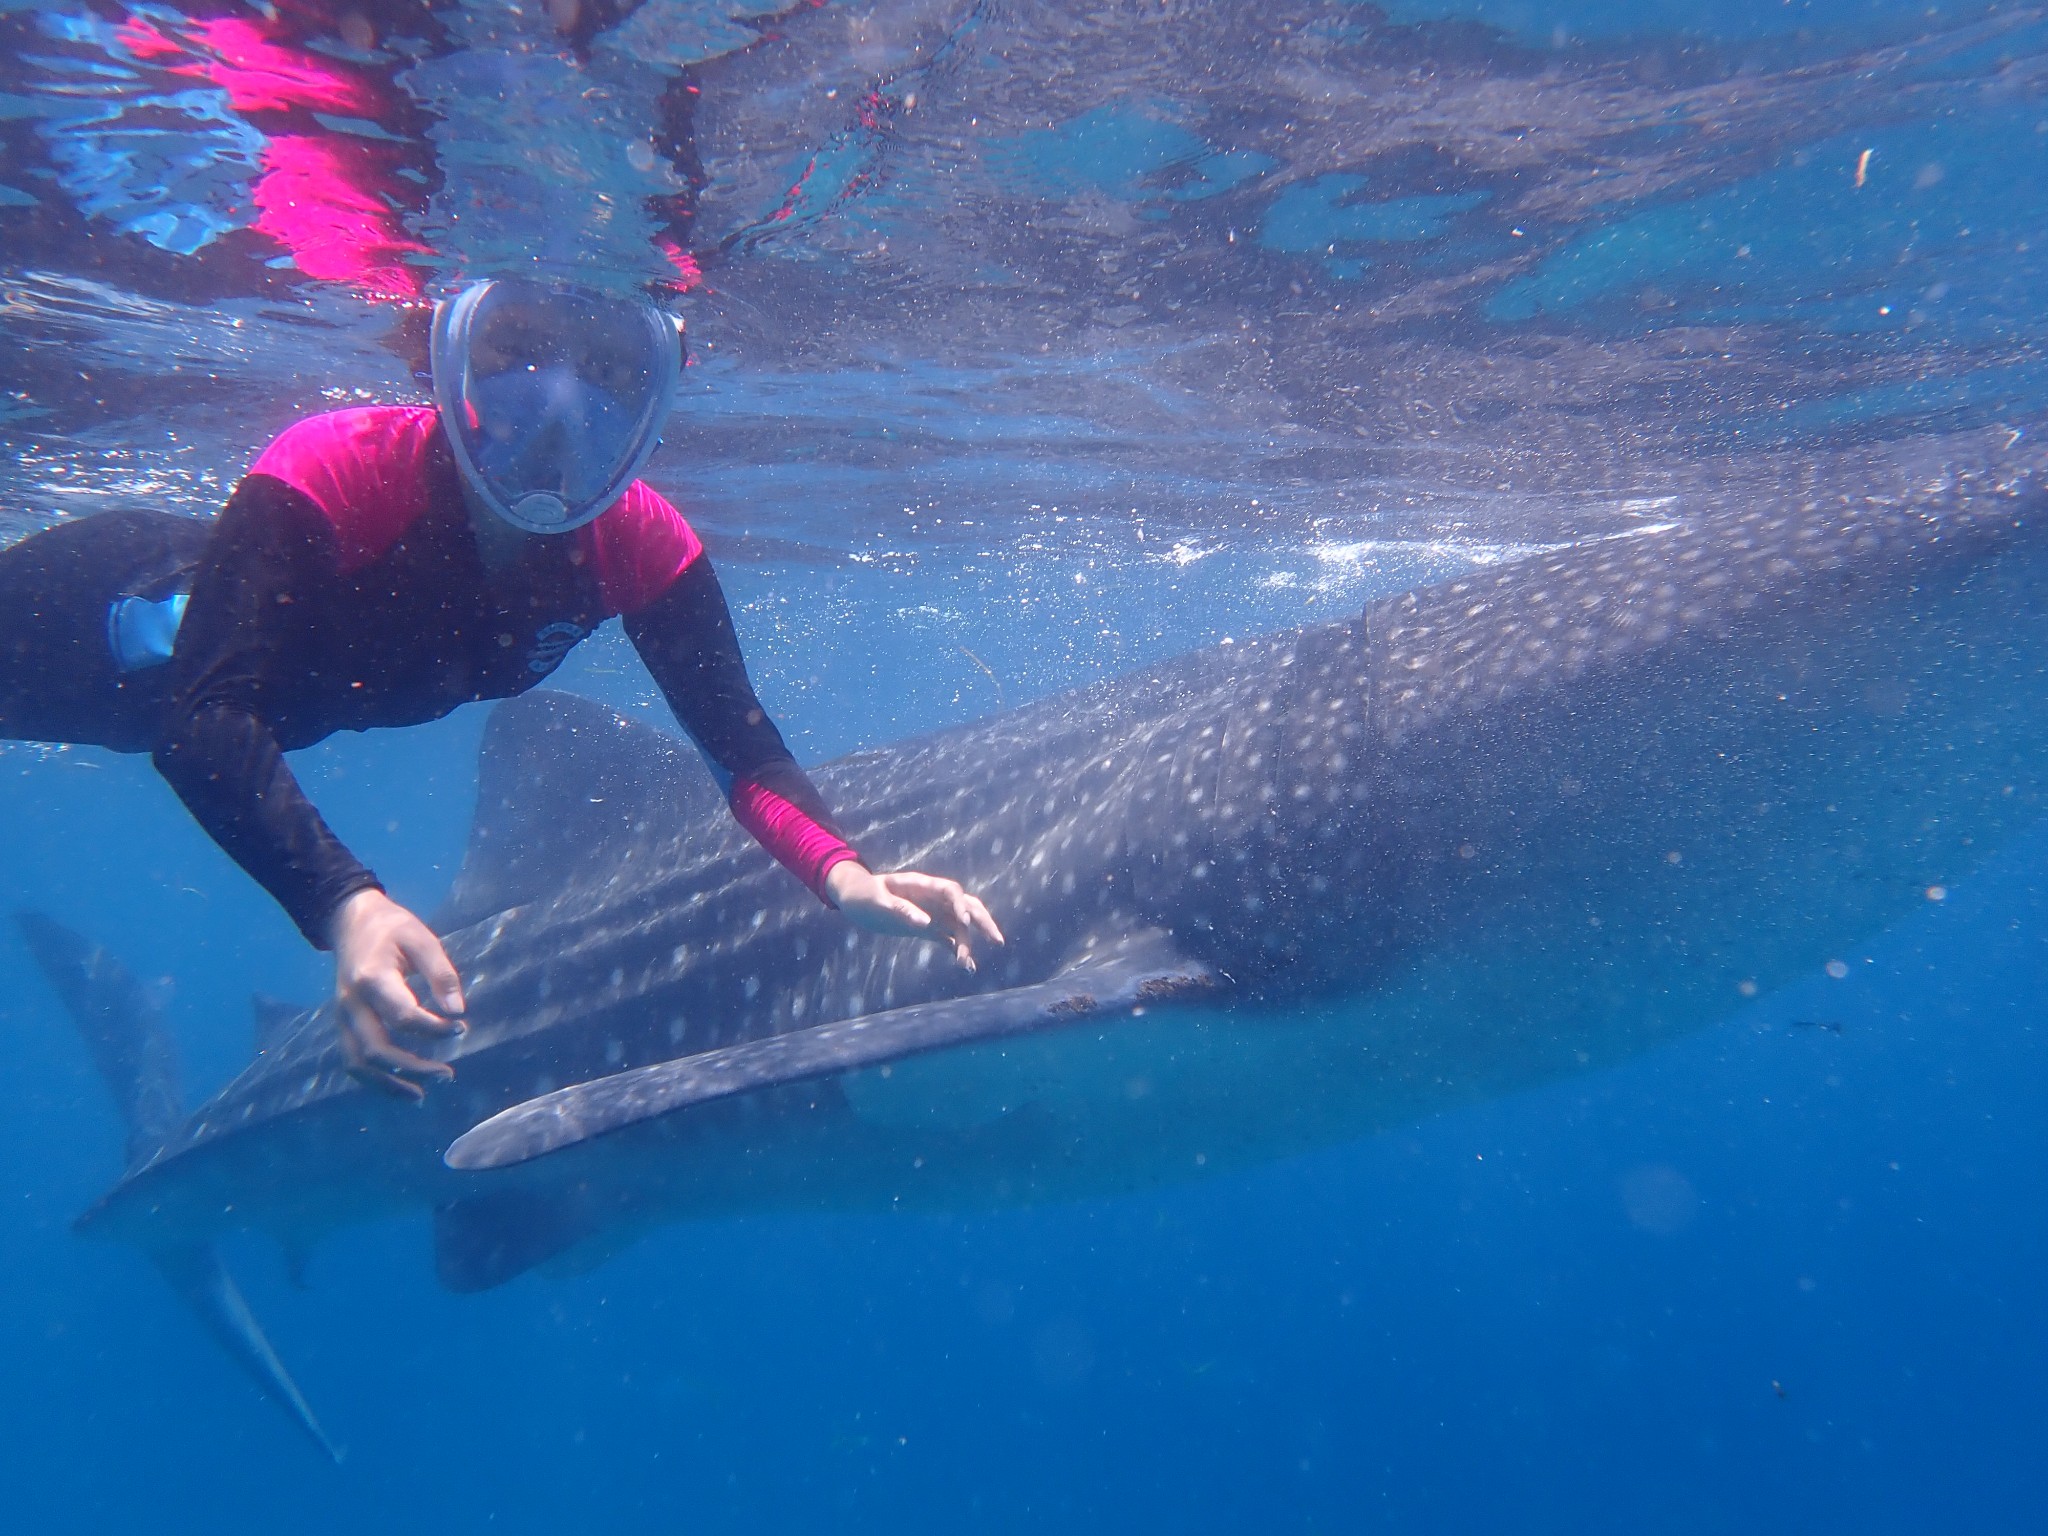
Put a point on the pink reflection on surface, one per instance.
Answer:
(257, 73)
(314, 202)
(689, 274)
(319, 195)
(262, 76)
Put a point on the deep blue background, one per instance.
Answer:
(1568, 1310)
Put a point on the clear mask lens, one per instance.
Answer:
(554, 398)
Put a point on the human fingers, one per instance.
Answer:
(380, 1050)
(960, 913)
(967, 912)
(952, 917)
(372, 1058)
(396, 1006)
(983, 920)
(950, 920)
(388, 1082)
(913, 918)
(423, 952)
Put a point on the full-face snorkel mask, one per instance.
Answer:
(553, 397)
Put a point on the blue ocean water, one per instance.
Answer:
(1034, 343)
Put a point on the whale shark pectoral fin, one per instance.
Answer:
(1126, 975)
(196, 1273)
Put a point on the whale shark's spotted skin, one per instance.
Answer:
(1491, 831)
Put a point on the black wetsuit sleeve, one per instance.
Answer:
(241, 653)
(687, 640)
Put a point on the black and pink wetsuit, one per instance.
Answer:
(342, 588)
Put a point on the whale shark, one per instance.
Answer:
(1263, 897)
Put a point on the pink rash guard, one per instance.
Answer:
(370, 472)
(343, 589)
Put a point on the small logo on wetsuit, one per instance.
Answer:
(551, 645)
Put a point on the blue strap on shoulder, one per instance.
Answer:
(142, 633)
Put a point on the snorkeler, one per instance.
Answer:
(381, 566)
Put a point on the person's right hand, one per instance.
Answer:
(377, 945)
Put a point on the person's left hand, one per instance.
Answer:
(377, 943)
(909, 905)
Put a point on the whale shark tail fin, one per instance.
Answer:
(121, 1021)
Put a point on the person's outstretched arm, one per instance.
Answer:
(686, 637)
(241, 652)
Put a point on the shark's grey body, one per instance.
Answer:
(1494, 831)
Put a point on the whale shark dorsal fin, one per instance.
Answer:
(563, 785)
(273, 1018)
(1105, 979)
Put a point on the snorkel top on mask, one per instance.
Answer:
(553, 397)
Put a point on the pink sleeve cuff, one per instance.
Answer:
(798, 843)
